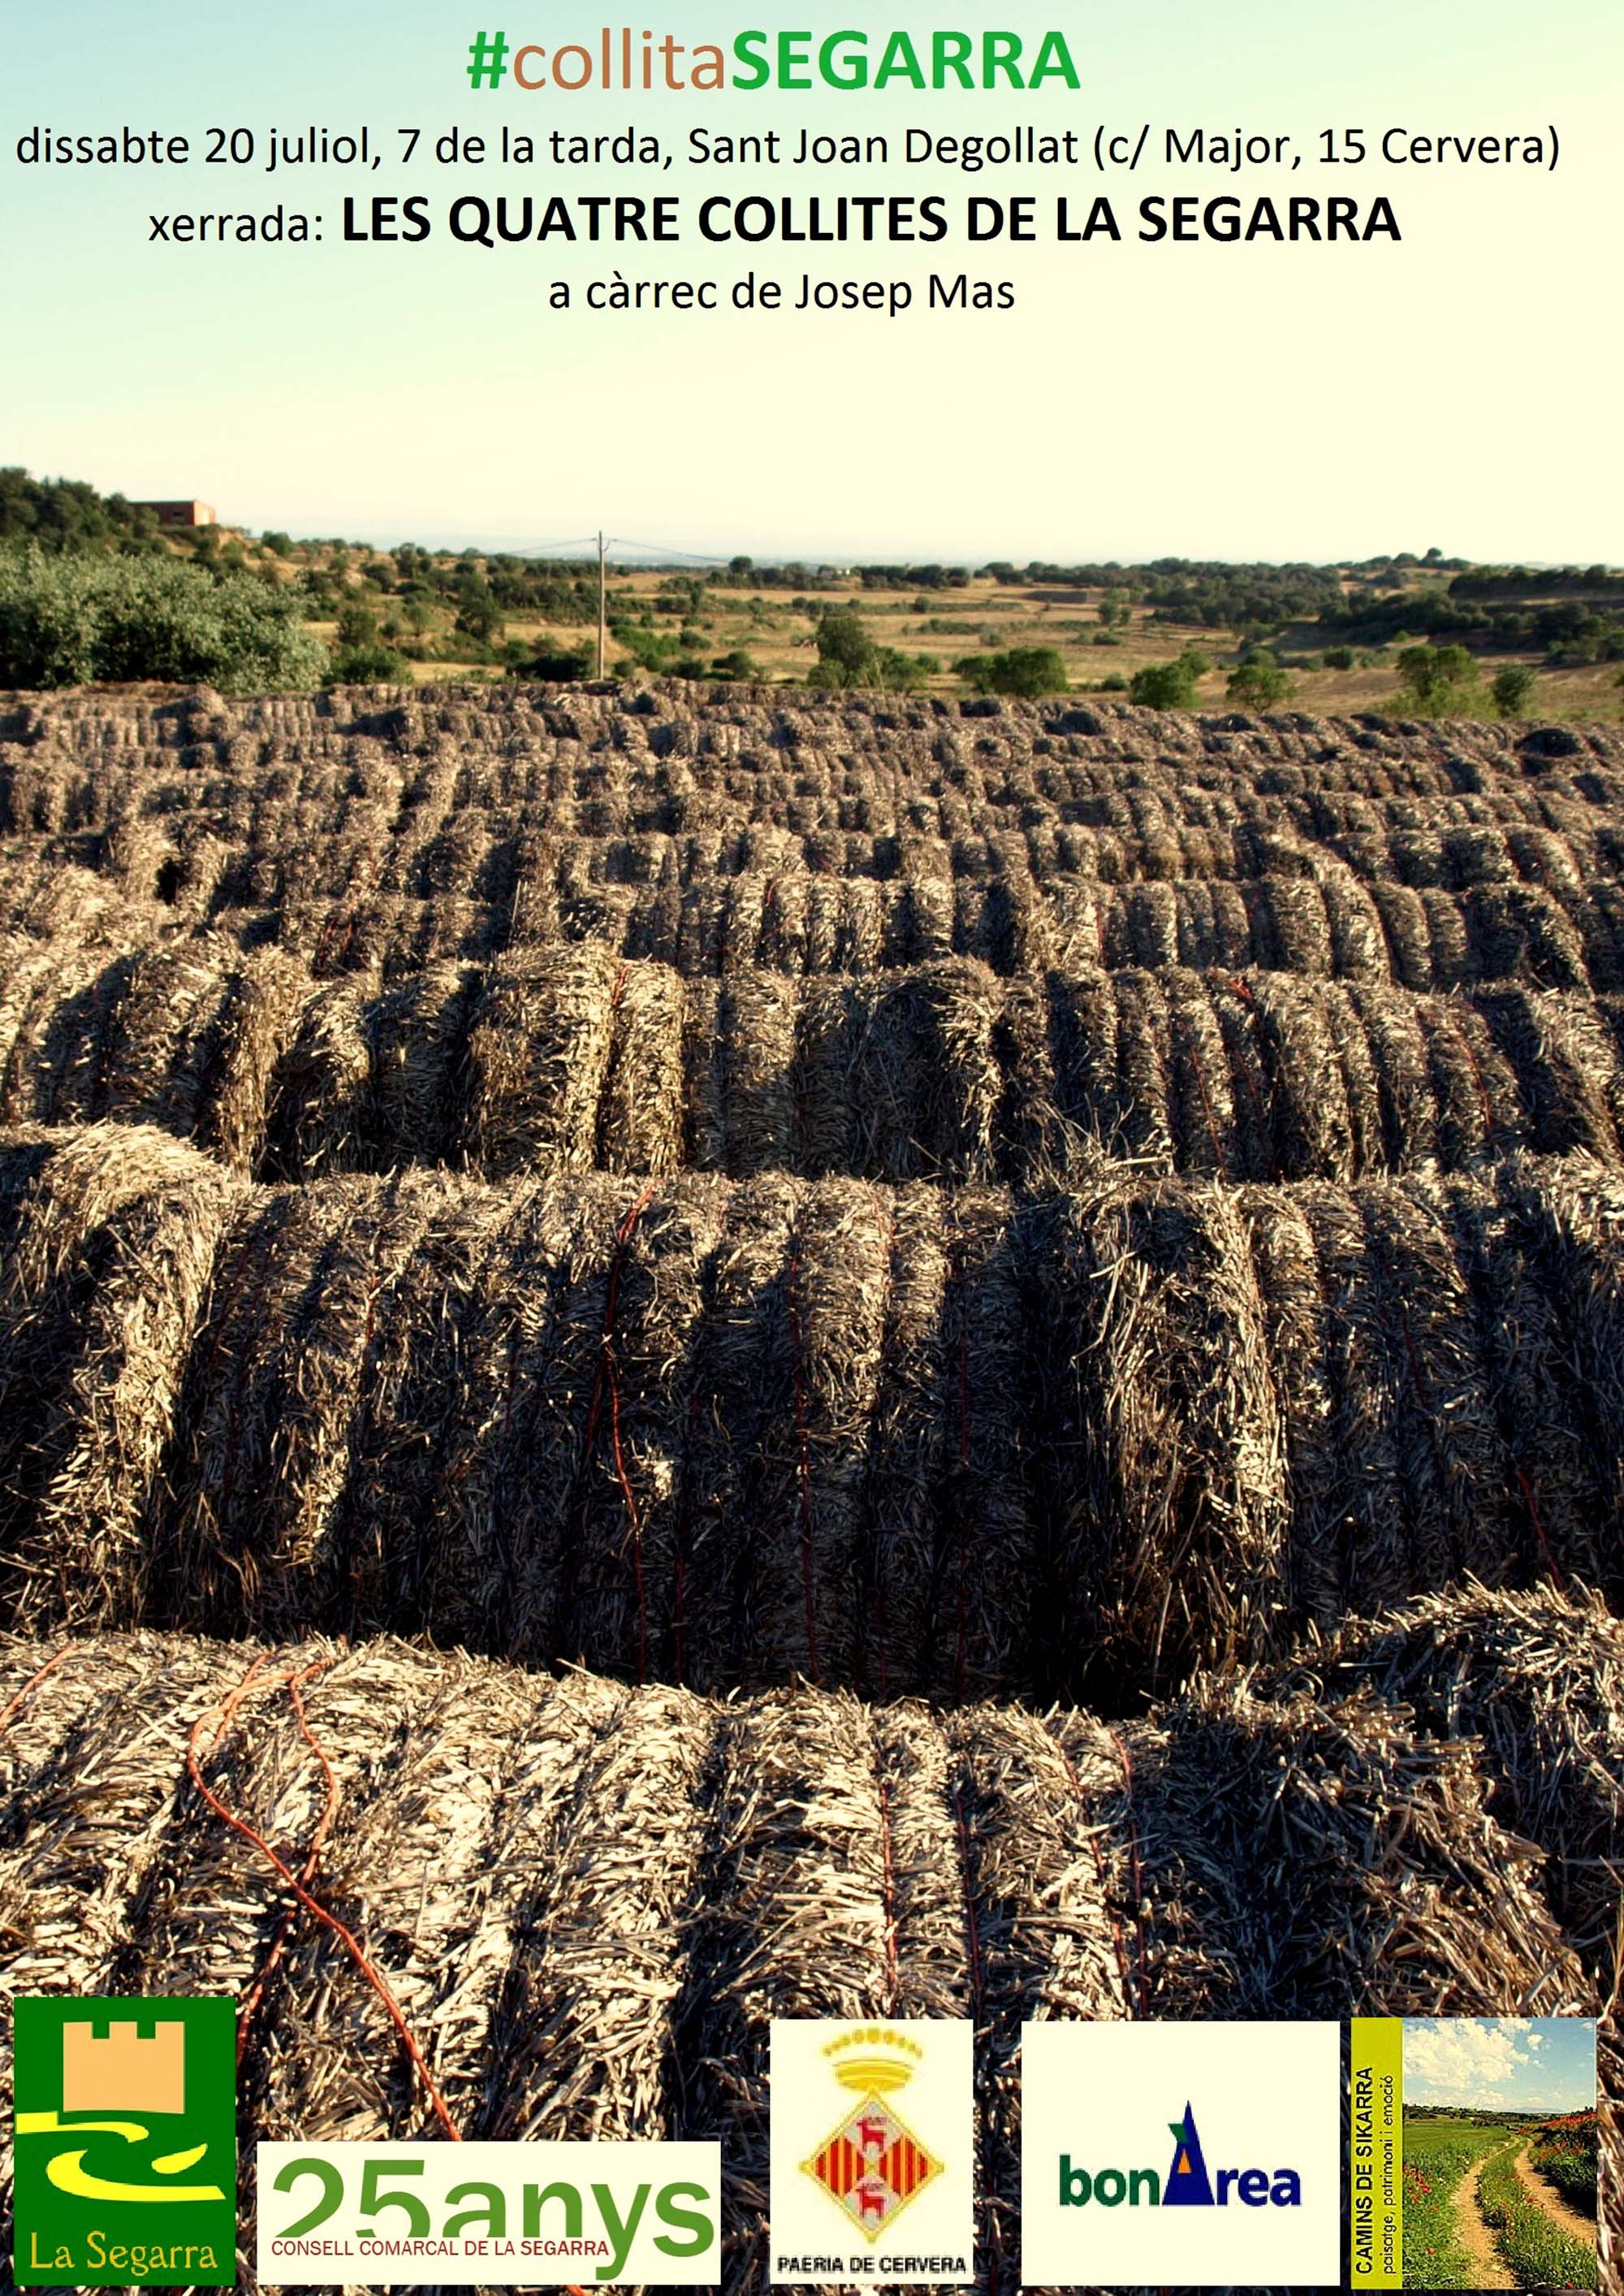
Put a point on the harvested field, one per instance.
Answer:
(951, 1440)
(1302, 1851)
(1001, 1327)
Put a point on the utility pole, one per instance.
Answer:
(601, 623)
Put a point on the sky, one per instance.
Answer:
(1505, 2064)
(1275, 402)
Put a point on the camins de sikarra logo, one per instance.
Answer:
(1187, 2183)
(126, 2143)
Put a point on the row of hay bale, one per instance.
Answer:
(715, 733)
(920, 1439)
(588, 1902)
(1328, 925)
(421, 833)
(574, 1059)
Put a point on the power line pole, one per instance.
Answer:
(601, 623)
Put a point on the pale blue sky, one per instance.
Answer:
(1208, 400)
(1505, 2064)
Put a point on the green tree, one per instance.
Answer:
(845, 651)
(1512, 689)
(1164, 686)
(1339, 657)
(1028, 671)
(357, 624)
(68, 617)
(1435, 679)
(479, 615)
(1259, 682)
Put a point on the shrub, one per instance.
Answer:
(66, 620)
(1260, 682)
(1028, 671)
(367, 664)
(1164, 686)
(1512, 689)
(1339, 657)
(554, 665)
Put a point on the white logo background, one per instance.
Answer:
(809, 2103)
(1264, 2096)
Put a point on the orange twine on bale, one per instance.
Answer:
(226, 1711)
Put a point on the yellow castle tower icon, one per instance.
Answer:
(124, 2071)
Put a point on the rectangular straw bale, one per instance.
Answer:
(211, 1906)
(1399, 1055)
(1310, 1125)
(1414, 1901)
(321, 1087)
(635, 1498)
(1201, 1092)
(1479, 1111)
(1168, 1541)
(1566, 1066)
(58, 1006)
(640, 1113)
(1250, 1151)
(1035, 1906)
(1144, 1047)
(608, 1873)
(792, 1923)
(538, 1052)
(1456, 1484)
(425, 1802)
(87, 1835)
(1523, 932)
(99, 1308)
(743, 1450)
(1296, 1316)
(984, 1567)
(756, 1032)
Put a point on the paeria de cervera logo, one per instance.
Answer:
(1188, 2182)
(872, 2150)
(126, 2143)
(1201, 2155)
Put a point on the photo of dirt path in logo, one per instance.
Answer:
(1496, 2195)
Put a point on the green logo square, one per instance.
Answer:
(126, 2143)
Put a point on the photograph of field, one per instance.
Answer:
(706, 1353)
(1500, 2193)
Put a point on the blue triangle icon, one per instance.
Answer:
(1188, 2186)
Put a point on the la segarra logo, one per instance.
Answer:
(126, 2142)
(872, 2165)
(1188, 2182)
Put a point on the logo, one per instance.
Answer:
(1180, 2155)
(126, 2143)
(871, 2151)
(1188, 2184)
(489, 2215)
(872, 2164)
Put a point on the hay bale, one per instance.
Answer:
(641, 1117)
(1399, 1057)
(1536, 1678)
(100, 1305)
(321, 1087)
(1412, 1901)
(1310, 1125)
(1566, 1067)
(1201, 1100)
(538, 1055)
(289, 1378)
(1166, 1544)
(756, 1073)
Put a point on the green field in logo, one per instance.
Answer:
(126, 2151)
